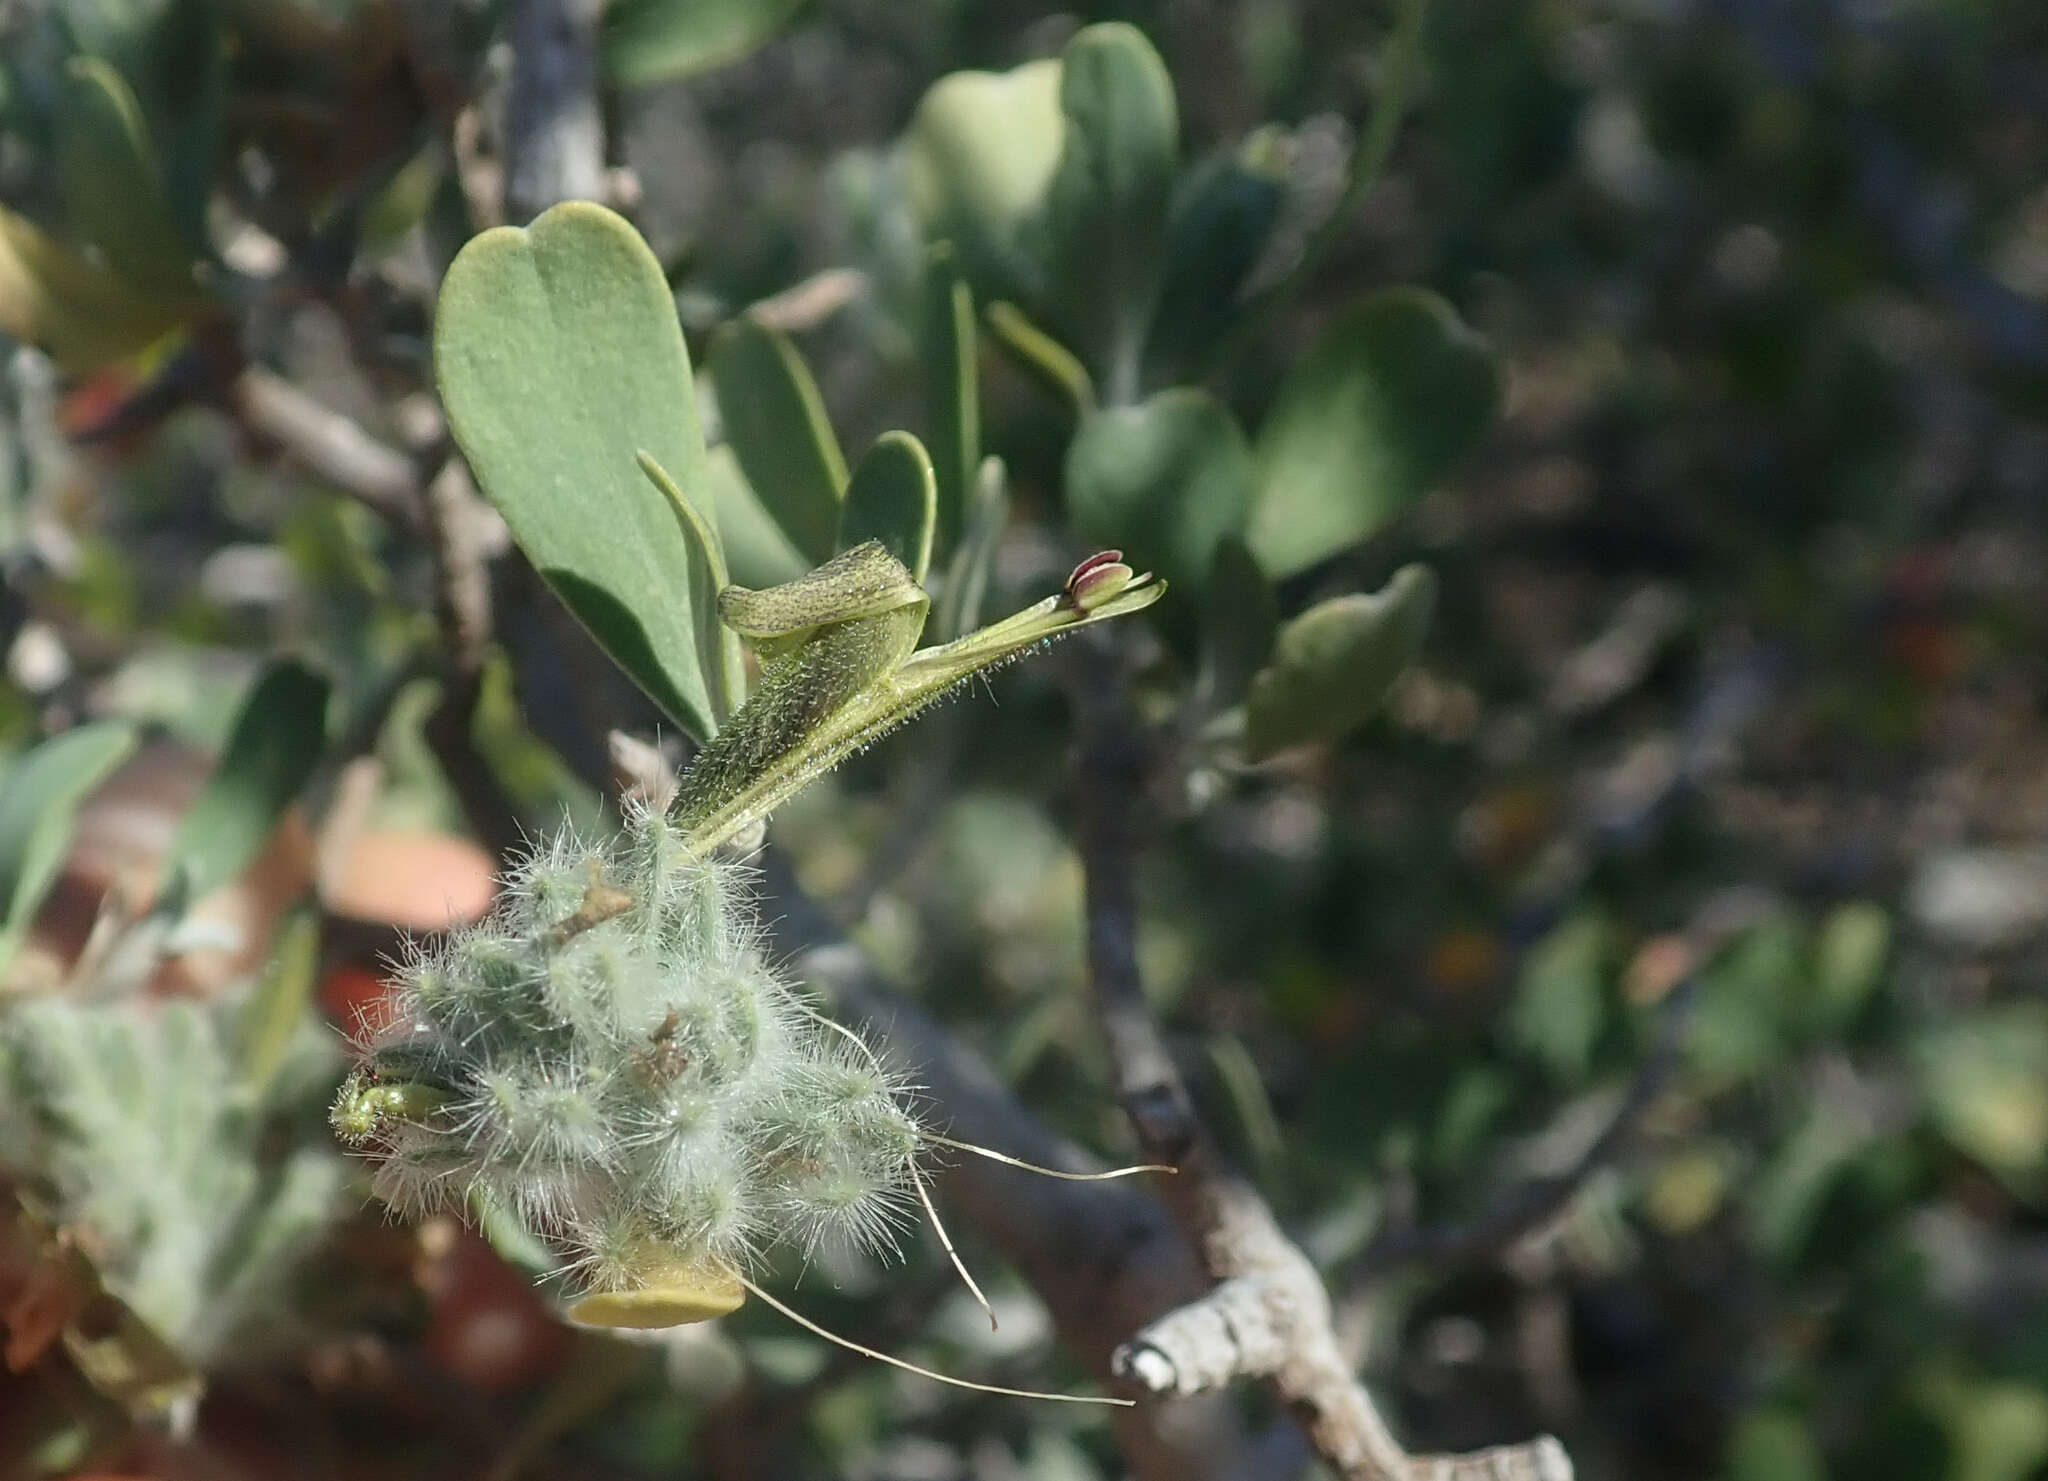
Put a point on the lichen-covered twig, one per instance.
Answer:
(1268, 1316)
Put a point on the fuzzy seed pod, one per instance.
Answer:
(608, 1056)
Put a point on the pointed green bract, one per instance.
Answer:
(893, 499)
(757, 551)
(1385, 401)
(775, 421)
(1333, 665)
(718, 651)
(560, 358)
(947, 344)
(972, 568)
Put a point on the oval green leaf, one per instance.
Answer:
(645, 42)
(775, 421)
(893, 498)
(1106, 209)
(1390, 396)
(1333, 665)
(39, 798)
(1165, 481)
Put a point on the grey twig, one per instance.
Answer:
(554, 130)
(1268, 1315)
(1104, 1257)
(459, 529)
(329, 445)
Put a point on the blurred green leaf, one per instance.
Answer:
(1849, 959)
(948, 350)
(1106, 207)
(775, 421)
(1044, 358)
(980, 156)
(1748, 1000)
(974, 560)
(39, 797)
(276, 742)
(114, 193)
(1774, 1445)
(1560, 1001)
(559, 358)
(757, 552)
(1334, 664)
(1986, 1081)
(277, 1005)
(78, 311)
(1244, 1091)
(645, 42)
(1221, 217)
(1166, 482)
(893, 498)
(1366, 422)
(1242, 619)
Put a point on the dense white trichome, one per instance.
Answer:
(609, 1057)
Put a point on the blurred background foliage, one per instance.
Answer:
(1720, 782)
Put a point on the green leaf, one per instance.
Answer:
(775, 420)
(1333, 665)
(644, 42)
(893, 498)
(1366, 423)
(1221, 218)
(974, 559)
(560, 358)
(1166, 481)
(276, 742)
(1106, 209)
(947, 346)
(979, 158)
(718, 648)
(276, 1007)
(1985, 1078)
(1243, 617)
(1041, 356)
(39, 798)
(1561, 1001)
(114, 194)
(1774, 1445)
(757, 552)
(77, 310)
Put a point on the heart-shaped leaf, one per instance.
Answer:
(560, 358)
(1333, 665)
(276, 742)
(947, 346)
(39, 797)
(1164, 481)
(979, 157)
(649, 41)
(1106, 209)
(775, 420)
(893, 498)
(1377, 411)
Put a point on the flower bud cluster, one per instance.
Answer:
(609, 1057)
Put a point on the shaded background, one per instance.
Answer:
(1738, 661)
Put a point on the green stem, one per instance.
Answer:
(1368, 163)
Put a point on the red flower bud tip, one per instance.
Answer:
(1097, 579)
